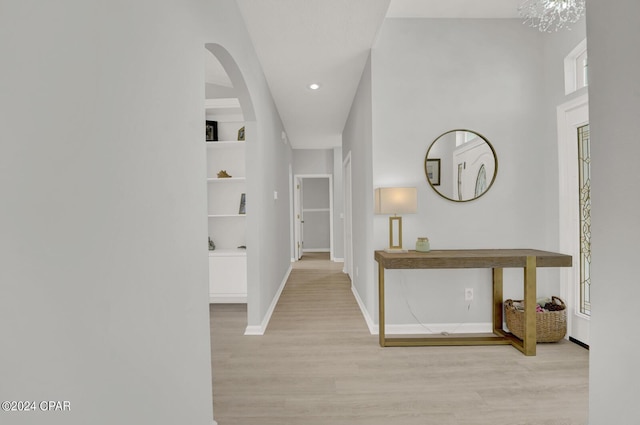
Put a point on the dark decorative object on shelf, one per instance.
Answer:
(212, 246)
(241, 134)
(222, 174)
(211, 131)
(243, 200)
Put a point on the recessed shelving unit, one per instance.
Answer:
(227, 227)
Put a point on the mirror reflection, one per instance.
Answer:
(461, 165)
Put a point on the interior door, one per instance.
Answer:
(348, 244)
(313, 214)
(573, 120)
(299, 218)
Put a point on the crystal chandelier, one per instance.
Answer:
(548, 15)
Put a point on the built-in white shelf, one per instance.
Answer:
(226, 215)
(226, 179)
(238, 252)
(223, 110)
(222, 144)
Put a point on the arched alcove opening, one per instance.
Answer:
(235, 76)
(231, 126)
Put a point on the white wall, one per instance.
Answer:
(430, 76)
(312, 161)
(338, 206)
(268, 233)
(357, 140)
(613, 36)
(102, 175)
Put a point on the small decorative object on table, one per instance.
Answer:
(422, 245)
(241, 134)
(222, 174)
(551, 319)
(212, 246)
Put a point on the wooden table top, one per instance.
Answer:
(470, 259)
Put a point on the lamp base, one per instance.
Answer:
(396, 250)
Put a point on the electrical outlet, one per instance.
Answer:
(468, 294)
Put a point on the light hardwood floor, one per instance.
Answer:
(318, 364)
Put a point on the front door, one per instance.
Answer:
(575, 212)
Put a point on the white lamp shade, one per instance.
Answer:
(396, 200)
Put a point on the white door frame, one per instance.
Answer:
(298, 215)
(348, 223)
(292, 218)
(571, 116)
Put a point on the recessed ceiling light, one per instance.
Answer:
(314, 86)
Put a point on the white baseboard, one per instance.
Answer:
(338, 260)
(228, 299)
(254, 330)
(315, 250)
(420, 329)
(260, 329)
(373, 328)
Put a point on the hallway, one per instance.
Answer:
(318, 364)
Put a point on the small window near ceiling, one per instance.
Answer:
(581, 71)
(575, 68)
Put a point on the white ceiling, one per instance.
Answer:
(300, 42)
(454, 8)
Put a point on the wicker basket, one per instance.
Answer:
(551, 326)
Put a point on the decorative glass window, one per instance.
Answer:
(584, 185)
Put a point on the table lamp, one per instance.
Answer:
(396, 200)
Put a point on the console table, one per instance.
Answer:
(496, 259)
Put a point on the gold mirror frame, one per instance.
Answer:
(433, 186)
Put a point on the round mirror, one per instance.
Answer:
(461, 165)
